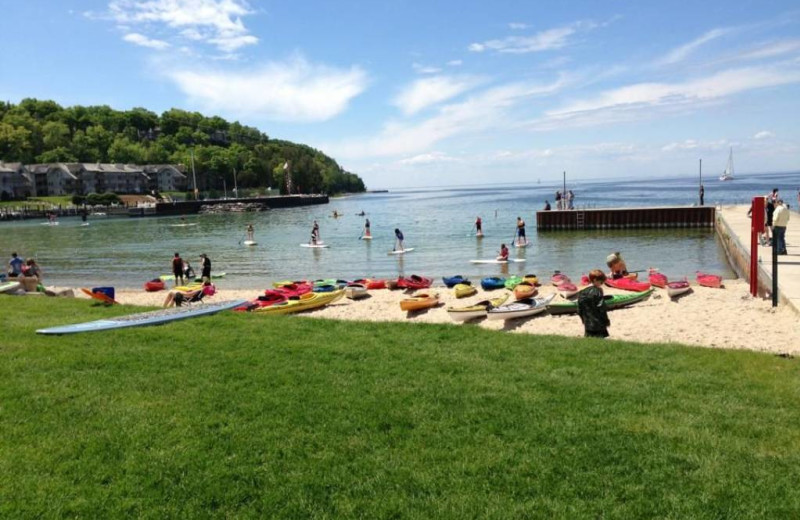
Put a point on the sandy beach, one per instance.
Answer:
(717, 318)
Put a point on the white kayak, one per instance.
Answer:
(520, 308)
(250, 243)
(496, 261)
(401, 251)
(314, 245)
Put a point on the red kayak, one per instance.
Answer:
(154, 285)
(709, 280)
(371, 284)
(414, 282)
(658, 279)
(291, 290)
(627, 284)
(269, 299)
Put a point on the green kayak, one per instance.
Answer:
(613, 301)
(512, 282)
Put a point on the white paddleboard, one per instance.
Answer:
(50, 223)
(401, 251)
(250, 243)
(314, 245)
(84, 224)
(522, 244)
(183, 225)
(495, 261)
(366, 238)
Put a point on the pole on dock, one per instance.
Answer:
(774, 273)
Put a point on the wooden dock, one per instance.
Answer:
(626, 218)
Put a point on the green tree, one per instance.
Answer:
(15, 143)
(55, 134)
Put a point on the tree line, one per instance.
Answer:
(42, 131)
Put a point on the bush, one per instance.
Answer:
(97, 199)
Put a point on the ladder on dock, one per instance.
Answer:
(579, 220)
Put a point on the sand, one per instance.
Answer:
(719, 318)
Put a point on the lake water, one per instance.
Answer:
(438, 223)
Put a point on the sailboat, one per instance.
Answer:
(727, 175)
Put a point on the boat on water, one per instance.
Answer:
(727, 175)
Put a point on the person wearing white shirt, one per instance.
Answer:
(779, 221)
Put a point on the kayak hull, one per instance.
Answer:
(612, 301)
(520, 309)
(420, 302)
(492, 283)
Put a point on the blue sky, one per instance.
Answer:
(409, 93)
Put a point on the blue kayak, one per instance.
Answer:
(452, 281)
(492, 283)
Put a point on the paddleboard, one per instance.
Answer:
(401, 251)
(9, 286)
(314, 245)
(509, 261)
(183, 225)
(250, 243)
(50, 223)
(522, 244)
(145, 318)
(85, 224)
(366, 238)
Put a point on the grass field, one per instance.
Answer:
(289, 417)
(38, 202)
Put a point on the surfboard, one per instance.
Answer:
(145, 318)
(314, 245)
(495, 261)
(9, 286)
(250, 243)
(401, 251)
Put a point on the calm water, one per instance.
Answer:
(436, 222)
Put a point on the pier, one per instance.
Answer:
(626, 218)
(733, 229)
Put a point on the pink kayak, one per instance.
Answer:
(657, 279)
(627, 284)
(677, 288)
(709, 280)
(568, 289)
(558, 278)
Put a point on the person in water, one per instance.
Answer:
(315, 234)
(478, 226)
(521, 239)
(617, 267)
(177, 268)
(250, 230)
(206, 266)
(503, 256)
(592, 308)
(399, 243)
(366, 228)
(361, 214)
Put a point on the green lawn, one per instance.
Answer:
(290, 417)
(45, 202)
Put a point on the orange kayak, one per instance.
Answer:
(420, 301)
(524, 290)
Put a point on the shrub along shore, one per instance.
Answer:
(242, 415)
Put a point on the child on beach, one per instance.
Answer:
(592, 308)
(177, 268)
(206, 267)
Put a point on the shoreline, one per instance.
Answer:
(727, 318)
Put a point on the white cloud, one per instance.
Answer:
(542, 41)
(517, 25)
(426, 92)
(144, 41)
(219, 20)
(425, 69)
(642, 99)
(770, 50)
(682, 52)
(294, 90)
(428, 158)
(764, 134)
(455, 63)
(693, 145)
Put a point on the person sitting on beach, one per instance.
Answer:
(177, 269)
(15, 266)
(32, 270)
(399, 243)
(591, 307)
(521, 239)
(617, 266)
(547, 205)
(503, 256)
(177, 298)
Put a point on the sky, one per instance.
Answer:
(430, 93)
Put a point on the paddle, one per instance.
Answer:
(240, 240)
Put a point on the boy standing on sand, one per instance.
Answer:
(177, 268)
(592, 307)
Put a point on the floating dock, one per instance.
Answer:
(626, 218)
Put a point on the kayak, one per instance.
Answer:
(558, 278)
(420, 301)
(492, 283)
(305, 302)
(325, 288)
(496, 261)
(283, 283)
(567, 289)
(477, 310)
(268, 299)
(330, 281)
(512, 282)
(354, 291)
(709, 280)
(657, 279)
(462, 290)
(452, 281)
(531, 279)
(414, 282)
(291, 290)
(520, 309)
(627, 284)
(524, 290)
(156, 284)
(612, 301)
(675, 289)
(372, 284)
(9, 286)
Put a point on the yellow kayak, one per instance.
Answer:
(478, 310)
(420, 301)
(302, 303)
(531, 279)
(524, 290)
(463, 290)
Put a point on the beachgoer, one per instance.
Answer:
(558, 199)
(503, 256)
(366, 228)
(779, 221)
(250, 230)
(177, 268)
(188, 272)
(31, 269)
(206, 266)
(15, 266)
(570, 196)
(398, 246)
(547, 205)
(478, 226)
(702, 194)
(592, 307)
(361, 214)
(617, 266)
(84, 214)
(177, 298)
(315, 233)
(521, 238)
(771, 199)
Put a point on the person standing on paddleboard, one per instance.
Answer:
(206, 265)
(177, 268)
(366, 228)
(315, 234)
(503, 256)
(399, 244)
(478, 226)
(521, 239)
(250, 231)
